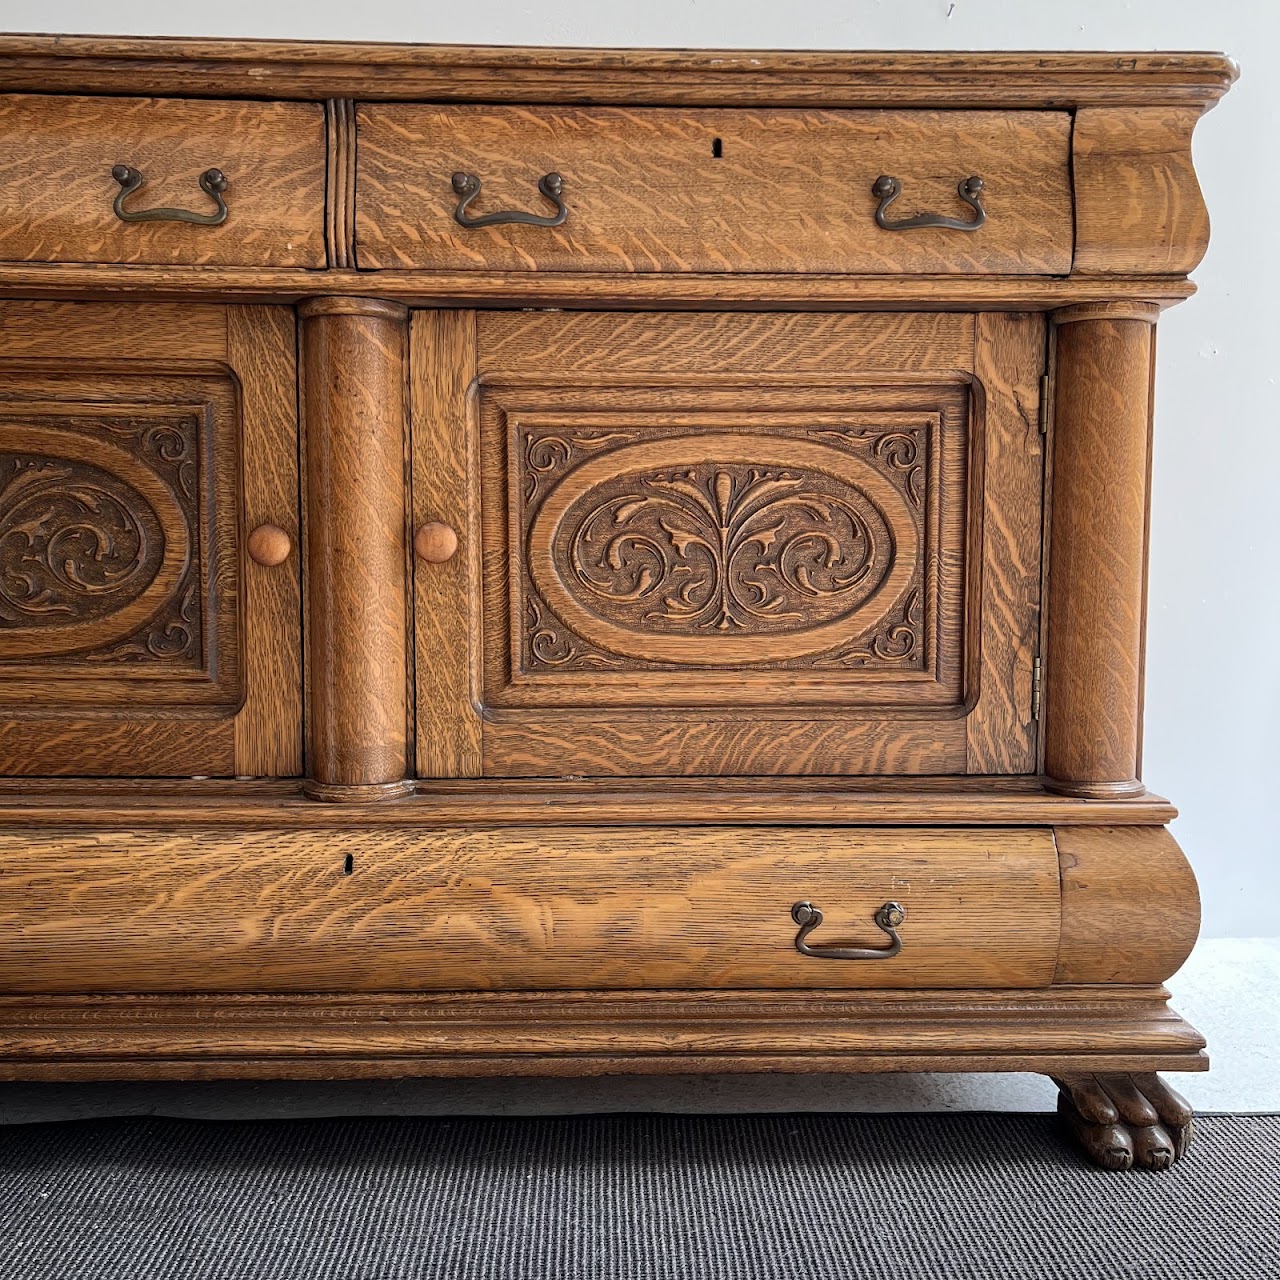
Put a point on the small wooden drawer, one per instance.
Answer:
(712, 190)
(401, 909)
(61, 202)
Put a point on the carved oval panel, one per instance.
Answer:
(92, 541)
(722, 547)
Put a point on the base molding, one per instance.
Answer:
(1061, 1031)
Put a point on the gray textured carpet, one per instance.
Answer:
(800, 1197)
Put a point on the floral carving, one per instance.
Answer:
(725, 548)
(897, 641)
(899, 450)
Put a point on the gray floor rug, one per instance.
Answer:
(781, 1197)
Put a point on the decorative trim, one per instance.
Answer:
(340, 182)
(458, 73)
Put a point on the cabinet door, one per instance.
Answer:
(705, 544)
(139, 446)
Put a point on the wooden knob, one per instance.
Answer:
(269, 545)
(435, 542)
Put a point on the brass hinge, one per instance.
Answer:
(1044, 404)
(1037, 685)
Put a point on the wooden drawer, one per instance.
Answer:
(401, 909)
(148, 623)
(713, 190)
(57, 197)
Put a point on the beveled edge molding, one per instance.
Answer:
(460, 73)
(1058, 1029)
(1130, 789)
(281, 804)
(1147, 312)
(586, 291)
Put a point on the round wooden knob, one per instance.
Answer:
(435, 542)
(269, 545)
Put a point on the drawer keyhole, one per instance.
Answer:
(717, 148)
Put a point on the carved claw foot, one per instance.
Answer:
(1125, 1121)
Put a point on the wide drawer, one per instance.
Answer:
(387, 909)
(712, 190)
(60, 201)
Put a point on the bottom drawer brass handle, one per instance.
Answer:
(888, 918)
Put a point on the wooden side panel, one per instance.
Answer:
(447, 616)
(468, 909)
(711, 190)
(1009, 359)
(57, 189)
(1130, 905)
(262, 348)
(1138, 205)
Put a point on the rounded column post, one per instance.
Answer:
(354, 353)
(1098, 548)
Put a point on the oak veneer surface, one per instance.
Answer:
(135, 637)
(56, 188)
(688, 190)
(878, 479)
(521, 909)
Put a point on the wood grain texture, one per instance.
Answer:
(1009, 357)
(602, 908)
(1097, 552)
(353, 396)
(56, 188)
(297, 69)
(446, 612)
(879, 801)
(1138, 204)
(649, 190)
(99, 331)
(1057, 1030)
(262, 347)
(579, 291)
(1130, 906)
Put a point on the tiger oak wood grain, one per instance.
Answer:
(353, 397)
(56, 188)
(1009, 359)
(262, 346)
(786, 308)
(536, 908)
(1130, 906)
(446, 597)
(1097, 549)
(648, 190)
(1137, 202)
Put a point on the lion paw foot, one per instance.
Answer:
(1125, 1121)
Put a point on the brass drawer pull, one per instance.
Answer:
(213, 182)
(467, 185)
(887, 190)
(888, 918)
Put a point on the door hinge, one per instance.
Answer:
(1037, 684)
(1044, 404)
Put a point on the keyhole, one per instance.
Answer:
(717, 148)
(348, 865)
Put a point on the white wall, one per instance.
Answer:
(1213, 682)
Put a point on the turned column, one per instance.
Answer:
(353, 405)
(1098, 548)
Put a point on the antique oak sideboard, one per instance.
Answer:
(561, 561)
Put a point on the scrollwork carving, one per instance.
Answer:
(726, 548)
